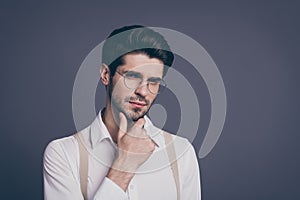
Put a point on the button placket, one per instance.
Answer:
(132, 190)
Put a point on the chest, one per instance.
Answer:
(158, 185)
(146, 184)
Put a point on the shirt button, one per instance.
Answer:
(131, 187)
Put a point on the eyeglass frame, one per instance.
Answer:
(161, 83)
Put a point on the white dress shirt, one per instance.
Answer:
(153, 181)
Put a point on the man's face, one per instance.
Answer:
(134, 102)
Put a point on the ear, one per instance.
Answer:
(105, 74)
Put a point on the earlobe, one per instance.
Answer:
(104, 74)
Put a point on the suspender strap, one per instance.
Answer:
(173, 160)
(83, 165)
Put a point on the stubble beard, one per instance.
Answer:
(122, 105)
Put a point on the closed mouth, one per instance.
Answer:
(138, 103)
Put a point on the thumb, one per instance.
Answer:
(140, 123)
(122, 125)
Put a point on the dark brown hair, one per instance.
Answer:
(135, 39)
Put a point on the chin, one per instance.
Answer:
(135, 115)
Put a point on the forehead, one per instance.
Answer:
(143, 64)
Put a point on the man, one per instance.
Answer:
(122, 155)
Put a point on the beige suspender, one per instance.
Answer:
(173, 160)
(83, 163)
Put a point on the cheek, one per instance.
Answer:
(117, 87)
(152, 98)
(120, 92)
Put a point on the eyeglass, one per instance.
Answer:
(132, 80)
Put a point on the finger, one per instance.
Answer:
(140, 123)
(140, 133)
(153, 146)
(122, 125)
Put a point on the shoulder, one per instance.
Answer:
(60, 149)
(60, 143)
(178, 141)
(61, 158)
(66, 145)
(185, 154)
(183, 147)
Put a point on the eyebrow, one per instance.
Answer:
(141, 75)
(133, 72)
(154, 79)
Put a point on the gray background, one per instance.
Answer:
(255, 44)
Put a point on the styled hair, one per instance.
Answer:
(135, 39)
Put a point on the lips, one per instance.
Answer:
(137, 104)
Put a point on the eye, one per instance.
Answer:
(132, 75)
(154, 81)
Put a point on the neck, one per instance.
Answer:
(109, 119)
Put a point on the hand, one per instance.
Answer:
(134, 148)
(134, 145)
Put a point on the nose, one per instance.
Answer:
(142, 89)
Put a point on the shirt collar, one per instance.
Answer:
(154, 132)
(99, 132)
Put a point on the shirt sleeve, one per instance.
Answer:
(191, 176)
(59, 181)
